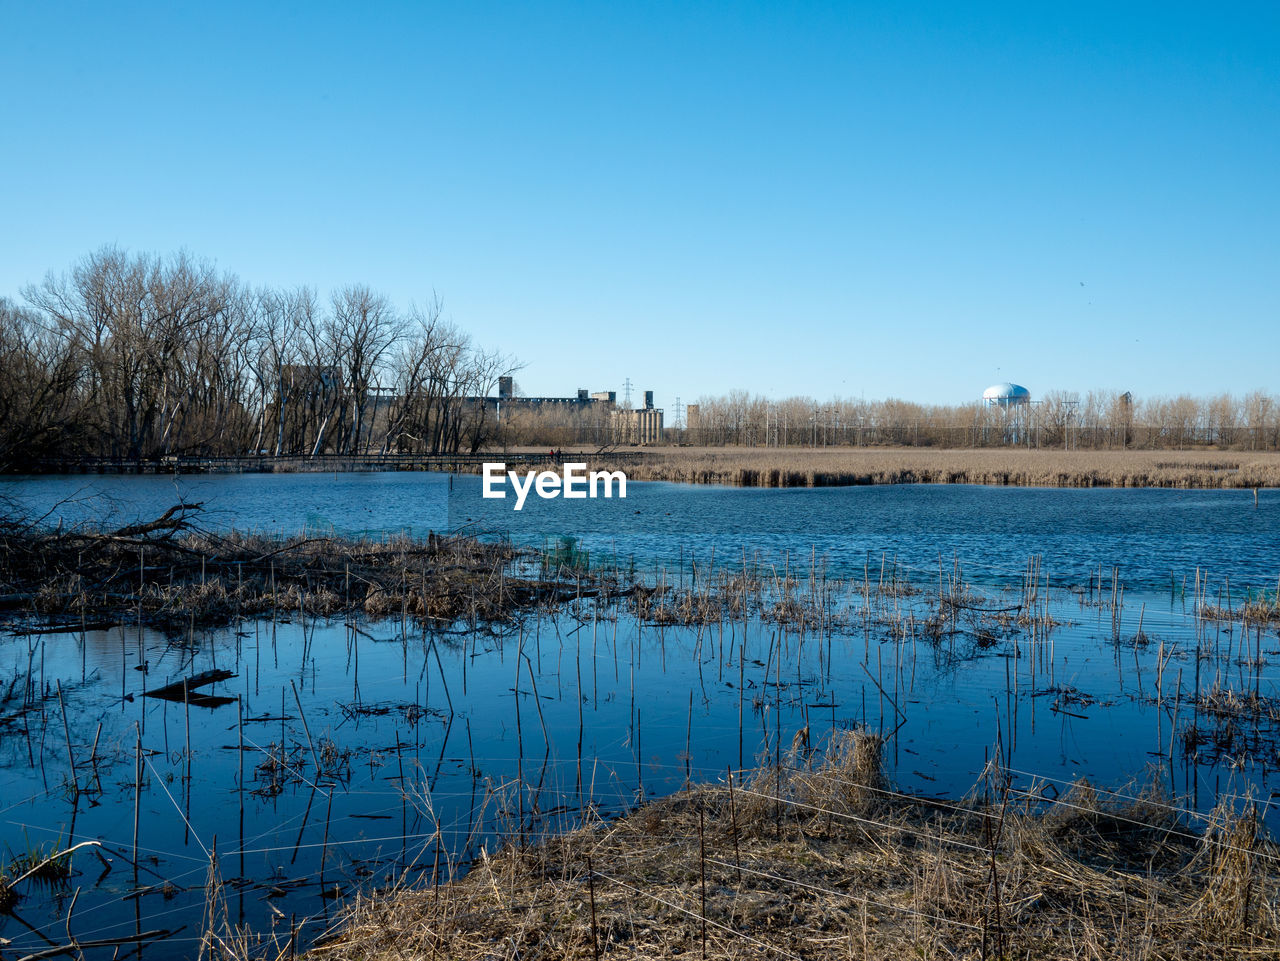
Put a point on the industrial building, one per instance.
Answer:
(507, 398)
(639, 426)
(625, 425)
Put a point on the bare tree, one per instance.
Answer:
(362, 331)
(479, 378)
(40, 376)
(423, 379)
(1260, 419)
(1057, 409)
(139, 322)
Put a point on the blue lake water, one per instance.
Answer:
(432, 743)
(1151, 535)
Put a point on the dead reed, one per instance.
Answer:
(840, 467)
(817, 857)
(175, 576)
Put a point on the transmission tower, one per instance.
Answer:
(626, 393)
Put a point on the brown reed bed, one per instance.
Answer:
(841, 467)
(817, 857)
(171, 574)
(1262, 611)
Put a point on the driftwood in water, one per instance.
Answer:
(77, 946)
(185, 689)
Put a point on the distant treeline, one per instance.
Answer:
(1060, 419)
(135, 357)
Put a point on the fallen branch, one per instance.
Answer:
(77, 946)
(51, 858)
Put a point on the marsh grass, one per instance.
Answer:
(817, 857)
(175, 576)
(46, 864)
(1258, 611)
(839, 467)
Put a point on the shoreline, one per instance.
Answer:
(795, 467)
(833, 467)
(817, 856)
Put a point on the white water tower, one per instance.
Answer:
(1006, 395)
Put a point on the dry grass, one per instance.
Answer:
(834, 467)
(176, 576)
(1252, 612)
(821, 860)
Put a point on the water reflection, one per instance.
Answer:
(349, 756)
(354, 755)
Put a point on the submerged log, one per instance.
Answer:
(185, 689)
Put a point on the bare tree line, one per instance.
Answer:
(135, 357)
(1062, 419)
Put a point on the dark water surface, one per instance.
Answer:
(430, 744)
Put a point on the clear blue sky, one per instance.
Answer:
(891, 199)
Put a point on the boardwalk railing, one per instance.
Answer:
(322, 463)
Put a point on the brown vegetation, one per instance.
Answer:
(175, 576)
(835, 467)
(821, 859)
